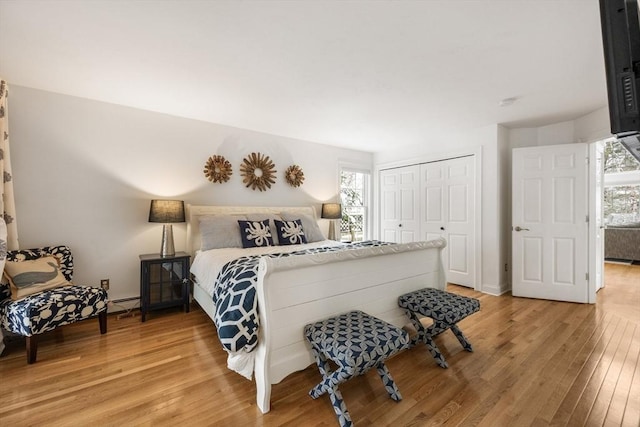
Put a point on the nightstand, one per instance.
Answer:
(164, 282)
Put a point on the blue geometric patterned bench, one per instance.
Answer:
(445, 309)
(355, 342)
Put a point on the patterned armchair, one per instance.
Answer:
(48, 309)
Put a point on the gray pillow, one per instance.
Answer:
(220, 231)
(309, 225)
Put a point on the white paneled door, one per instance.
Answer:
(550, 223)
(447, 198)
(399, 216)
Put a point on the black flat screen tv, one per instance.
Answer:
(621, 40)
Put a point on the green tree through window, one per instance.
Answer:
(353, 195)
(621, 203)
(618, 159)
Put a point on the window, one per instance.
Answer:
(354, 195)
(621, 185)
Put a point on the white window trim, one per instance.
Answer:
(622, 178)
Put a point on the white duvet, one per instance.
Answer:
(207, 264)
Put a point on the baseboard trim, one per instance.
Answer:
(496, 290)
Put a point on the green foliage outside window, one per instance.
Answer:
(620, 200)
(618, 159)
(352, 195)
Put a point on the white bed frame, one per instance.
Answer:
(289, 298)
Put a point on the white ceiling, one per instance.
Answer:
(370, 75)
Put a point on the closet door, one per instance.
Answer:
(447, 210)
(399, 204)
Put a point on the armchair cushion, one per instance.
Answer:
(45, 311)
(29, 277)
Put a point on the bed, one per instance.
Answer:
(292, 291)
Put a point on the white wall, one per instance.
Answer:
(588, 128)
(593, 126)
(559, 133)
(85, 171)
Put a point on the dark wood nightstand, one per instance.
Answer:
(164, 282)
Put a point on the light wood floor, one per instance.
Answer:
(535, 363)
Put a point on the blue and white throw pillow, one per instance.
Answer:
(290, 232)
(255, 233)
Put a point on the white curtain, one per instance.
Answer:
(7, 202)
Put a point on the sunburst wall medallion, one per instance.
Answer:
(258, 171)
(294, 176)
(217, 169)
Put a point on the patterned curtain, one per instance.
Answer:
(7, 202)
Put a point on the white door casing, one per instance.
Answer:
(447, 210)
(399, 216)
(549, 222)
(596, 221)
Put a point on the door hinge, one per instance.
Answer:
(586, 276)
(587, 218)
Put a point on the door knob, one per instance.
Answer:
(399, 225)
(518, 228)
(442, 228)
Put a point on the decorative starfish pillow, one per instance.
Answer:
(290, 232)
(255, 233)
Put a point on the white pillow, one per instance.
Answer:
(309, 225)
(220, 231)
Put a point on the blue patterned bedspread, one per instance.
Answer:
(236, 316)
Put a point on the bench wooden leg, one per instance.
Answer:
(102, 319)
(32, 349)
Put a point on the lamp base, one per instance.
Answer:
(167, 249)
(332, 230)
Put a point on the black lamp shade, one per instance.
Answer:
(331, 211)
(166, 211)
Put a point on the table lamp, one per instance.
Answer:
(167, 212)
(331, 211)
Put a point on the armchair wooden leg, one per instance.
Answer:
(102, 318)
(32, 349)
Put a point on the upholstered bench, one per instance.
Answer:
(445, 309)
(355, 342)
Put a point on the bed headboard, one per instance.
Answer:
(195, 211)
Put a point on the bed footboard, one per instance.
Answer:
(289, 297)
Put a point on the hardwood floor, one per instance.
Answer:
(535, 363)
